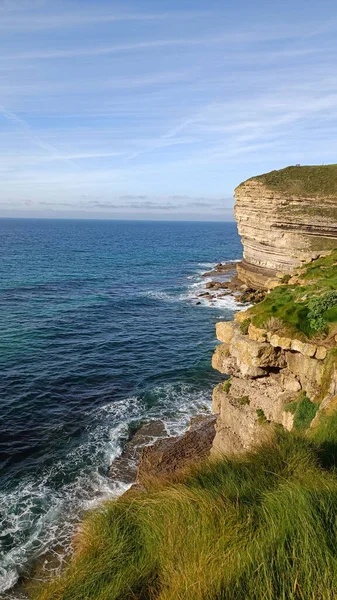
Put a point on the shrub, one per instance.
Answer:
(244, 326)
(317, 307)
(244, 400)
(261, 417)
(227, 386)
(285, 278)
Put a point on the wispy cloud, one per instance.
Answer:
(148, 115)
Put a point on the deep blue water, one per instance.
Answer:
(99, 331)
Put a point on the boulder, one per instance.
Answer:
(321, 353)
(256, 333)
(304, 348)
(309, 371)
(280, 342)
(225, 331)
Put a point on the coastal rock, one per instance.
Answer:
(303, 348)
(170, 455)
(124, 467)
(225, 331)
(308, 370)
(256, 354)
(281, 230)
(280, 342)
(239, 426)
(222, 360)
(257, 334)
(321, 353)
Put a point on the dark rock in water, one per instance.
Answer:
(252, 296)
(220, 269)
(169, 455)
(124, 467)
(197, 303)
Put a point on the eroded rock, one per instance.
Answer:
(170, 455)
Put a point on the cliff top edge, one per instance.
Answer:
(302, 181)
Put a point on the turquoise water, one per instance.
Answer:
(100, 331)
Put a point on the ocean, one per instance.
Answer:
(100, 332)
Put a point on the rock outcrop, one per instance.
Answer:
(283, 223)
(170, 455)
(268, 375)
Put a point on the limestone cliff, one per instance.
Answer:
(269, 375)
(285, 218)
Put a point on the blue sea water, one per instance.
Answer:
(100, 330)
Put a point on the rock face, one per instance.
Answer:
(281, 230)
(267, 372)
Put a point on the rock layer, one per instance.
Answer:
(280, 231)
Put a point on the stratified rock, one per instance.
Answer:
(283, 223)
(170, 455)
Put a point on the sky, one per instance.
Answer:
(156, 109)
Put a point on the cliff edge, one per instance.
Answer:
(285, 218)
(281, 356)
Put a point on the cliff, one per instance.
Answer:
(285, 218)
(281, 357)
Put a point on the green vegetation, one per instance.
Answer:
(244, 326)
(303, 181)
(307, 307)
(303, 410)
(227, 386)
(261, 417)
(285, 278)
(244, 401)
(256, 527)
(318, 308)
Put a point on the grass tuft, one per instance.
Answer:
(227, 386)
(303, 410)
(244, 326)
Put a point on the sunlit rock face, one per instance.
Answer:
(281, 231)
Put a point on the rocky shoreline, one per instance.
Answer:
(150, 452)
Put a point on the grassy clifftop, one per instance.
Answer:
(306, 181)
(305, 304)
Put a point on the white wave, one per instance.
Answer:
(42, 517)
(176, 403)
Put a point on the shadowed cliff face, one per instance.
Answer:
(280, 229)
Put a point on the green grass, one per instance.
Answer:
(307, 308)
(303, 410)
(244, 401)
(256, 527)
(261, 417)
(306, 181)
(227, 386)
(244, 326)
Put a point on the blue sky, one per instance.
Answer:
(157, 110)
